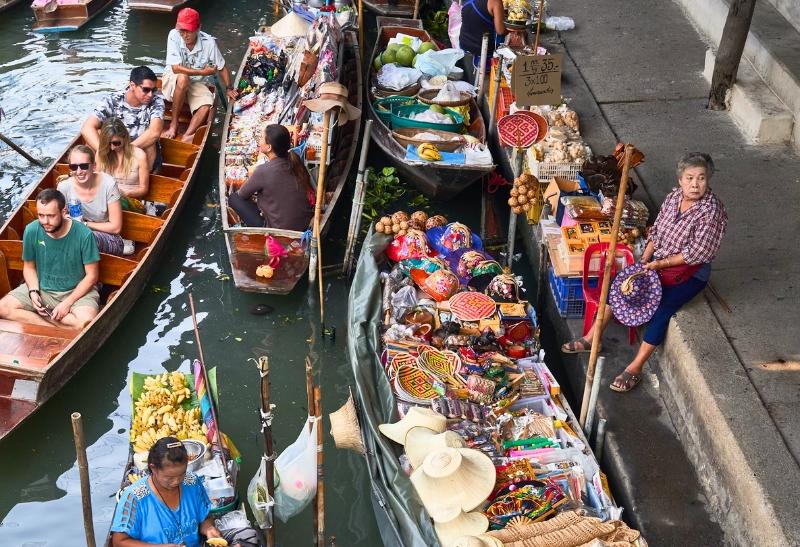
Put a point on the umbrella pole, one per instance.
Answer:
(83, 470)
(358, 201)
(266, 429)
(323, 168)
(601, 305)
(320, 499)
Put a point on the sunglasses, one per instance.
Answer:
(81, 166)
(115, 143)
(147, 90)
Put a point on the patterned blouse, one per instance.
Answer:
(697, 232)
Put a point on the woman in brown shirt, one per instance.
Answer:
(281, 187)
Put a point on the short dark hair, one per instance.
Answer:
(49, 194)
(142, 73)
(167, 449)
(696, 159)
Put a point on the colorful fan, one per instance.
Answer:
(397, 361)
(415, 383)
(472, 306)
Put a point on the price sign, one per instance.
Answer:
(536, 79)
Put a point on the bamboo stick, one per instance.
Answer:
(481, 76)
(495, 97)
(83, 470)
(311, 414)
(601, 305)
(266, 429)
(519, 161)
(361, 31)
(538, 27)
(320, 500)
(358, 201)
(416, 10)
(20, 151)
(323, 168)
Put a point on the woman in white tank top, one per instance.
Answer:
(125, 162)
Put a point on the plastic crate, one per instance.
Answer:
(388, 103)
(564, 287)
(546, 170)
(400, 118)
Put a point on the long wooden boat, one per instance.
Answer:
(8, 4)
(396, 8)
(163, 6)
(67, 17)
(433, 179)
(36, 361)
(246, 245)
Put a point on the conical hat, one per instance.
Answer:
(289, 25)
(420, 441)
(454, 476)
(470, 524)
(416, 416)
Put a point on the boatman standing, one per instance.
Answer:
(192, 56)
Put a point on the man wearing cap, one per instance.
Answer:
(192, 56)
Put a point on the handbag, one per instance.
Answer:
(675, 275)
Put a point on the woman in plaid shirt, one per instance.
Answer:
(684, 239)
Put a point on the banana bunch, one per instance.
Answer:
(158, 412)
(133, 477)
(428, 152)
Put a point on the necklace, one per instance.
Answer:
(177, 520)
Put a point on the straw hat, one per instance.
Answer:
(635, 295)
(420, 441)
(416, 416)
(333, 95)
(289, 26)
(459, 523)
(345, 429)
(448, 476)
(482, 540)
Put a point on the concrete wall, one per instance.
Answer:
(789, 9)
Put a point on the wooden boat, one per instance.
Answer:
(395, 8)
(435, 180)
(246, 246)
(8, 4)
(67, 17)
(163, 6)
(36, 361)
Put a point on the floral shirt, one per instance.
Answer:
(136, 118)
(697, 232)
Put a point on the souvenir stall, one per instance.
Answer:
(470, 440)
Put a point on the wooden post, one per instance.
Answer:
(320, 500)
(519, 162)
(361, 32)
(416, 10)
(358, 201)
(606, 282)
(323, 168)
(83, 470)
(729, 54)
(311, 414)
(20, 151)
(266, 429)
(538, 27)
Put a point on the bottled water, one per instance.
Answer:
(75, 210)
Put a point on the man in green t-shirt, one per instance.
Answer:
(61, 265)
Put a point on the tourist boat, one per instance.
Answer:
(163, 6)
(36, 361)
(436, 180)
(66, 15)
(247, 246)
(8, 4)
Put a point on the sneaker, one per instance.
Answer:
(128, 247)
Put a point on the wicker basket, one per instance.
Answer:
(400, 118)
(407, 135)
(427, 96)
(379, 91)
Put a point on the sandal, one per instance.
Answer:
(579, 345)
(625, 382)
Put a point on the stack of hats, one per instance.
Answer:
(451, 480)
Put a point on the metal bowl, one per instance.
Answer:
(197, 452)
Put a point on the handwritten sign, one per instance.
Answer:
(536, 79)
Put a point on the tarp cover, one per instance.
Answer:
(401, 518)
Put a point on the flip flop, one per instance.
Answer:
(629, 381)
(579, 345)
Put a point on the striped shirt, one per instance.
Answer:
(696, 233)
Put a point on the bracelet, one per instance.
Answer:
(34, 290)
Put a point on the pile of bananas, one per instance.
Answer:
(428, 152)
(158, 412)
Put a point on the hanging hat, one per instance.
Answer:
(503, 288)
(448, 476)
(482, 540)
(440, 285)
(483, 273)
(463, 261)
(417, 416)
(412, 244)
(345, 430)
(333, 95)
(421, 441)
(454, 236)
(634, 295)
(456, 523)
(289, 26)
(188, 19)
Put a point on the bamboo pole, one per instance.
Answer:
(83, 470)
(361, 31)
(266, 429)
(358, 201)
(538, 27)
(416, 10)
(601, 305)
(481, 76)
(495, 97)
(323, 168)
(320, 499)
(590, 413)
(311, 414)
(519, 160)
(20, 151)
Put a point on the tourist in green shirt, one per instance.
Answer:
(60, 268)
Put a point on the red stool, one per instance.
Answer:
(591, 295)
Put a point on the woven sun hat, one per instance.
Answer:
(454, 476)
(481, 540)
(635, 295)
(345, 430)
(463, 261)
(333, 95)
(439, 285)
(290, 26)
(448, 239)
(421, 441)
(417, 416)
(458, 523)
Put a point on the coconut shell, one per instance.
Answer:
(399, 216)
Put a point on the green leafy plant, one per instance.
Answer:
(386, 194)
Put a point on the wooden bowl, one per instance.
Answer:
(407, 135)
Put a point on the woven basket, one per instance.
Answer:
(427, 96)
(345, 430)
(380, 91)
(407, 135)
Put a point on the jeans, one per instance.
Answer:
(672, 299)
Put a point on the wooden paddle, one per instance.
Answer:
(20, 151)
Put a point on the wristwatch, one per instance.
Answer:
(34, 290)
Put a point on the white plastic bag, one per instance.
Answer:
(258, 498)
(559, 23)
(396, 77)
(438, 63)
(454, 23)
(296, 474)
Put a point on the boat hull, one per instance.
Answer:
(68, 17)
(160, 6)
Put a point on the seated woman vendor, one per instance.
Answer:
(166, 507)
(125, 162)
(99, 199)
(281, 187)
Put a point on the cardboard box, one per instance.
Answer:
(553, 193)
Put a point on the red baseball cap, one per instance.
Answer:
(188, 19)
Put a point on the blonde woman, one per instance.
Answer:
(125, 162)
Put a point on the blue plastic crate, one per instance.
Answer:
(562, 287)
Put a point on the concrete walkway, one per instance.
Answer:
(730, 381)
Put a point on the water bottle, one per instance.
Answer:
(75, 209)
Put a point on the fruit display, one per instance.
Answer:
(164, 409)
(402, 54)
(524, 194)
(428, 152)
(400, 222)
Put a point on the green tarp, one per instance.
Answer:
(401, 518)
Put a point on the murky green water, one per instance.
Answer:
(47, 86)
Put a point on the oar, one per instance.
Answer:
(358, 201)
(323, 168)
(83, 470)
(20, 151)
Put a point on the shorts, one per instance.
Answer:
(51, 299)
(198, 94)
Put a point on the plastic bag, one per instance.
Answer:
(454, 23)
(296, 473)
(583, 208)
(396, 77)
(438, 63)
(559, 23)
(258, 498)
